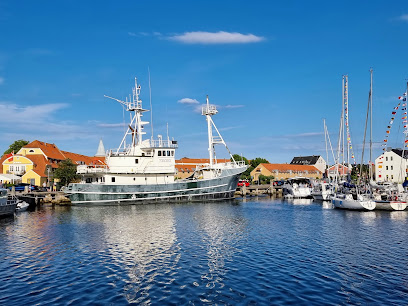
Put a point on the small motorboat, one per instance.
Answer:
(21, 206)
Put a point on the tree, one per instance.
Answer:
(16, 146)
(240, 158)
(259, 160)
(265, 179)
(66, 172)
(246, 175)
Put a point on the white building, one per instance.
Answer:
(314, 160)
(391, 166)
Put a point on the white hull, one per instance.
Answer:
(390, 205)
(348, 202)
(322, 196)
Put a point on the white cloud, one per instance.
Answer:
(1, 81)
(111, 125)
(403, 17)
(22, 114)
(220, 37)
(233, 106)
(188, 101)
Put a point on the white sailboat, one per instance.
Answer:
(323, 191)
(348, 196)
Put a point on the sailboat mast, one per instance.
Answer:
(325, 140)
(371, 124)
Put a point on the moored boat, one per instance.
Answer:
(8, 203)
(143, 171)
(297, 187)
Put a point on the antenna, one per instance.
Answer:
(151, 107)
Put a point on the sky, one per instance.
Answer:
(273, 69)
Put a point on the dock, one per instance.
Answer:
(35, 198)
(254, 190)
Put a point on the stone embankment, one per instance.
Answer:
(254, 190)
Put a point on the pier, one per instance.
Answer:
(35, 198)
(254, 190)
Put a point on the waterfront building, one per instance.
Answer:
(391, 166)
(35, 162)
(314, 160)
(285, 171)
(338, 169)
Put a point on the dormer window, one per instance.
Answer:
(31, 151)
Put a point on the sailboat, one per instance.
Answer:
(143, 171)
(323, 191)
(347, 195)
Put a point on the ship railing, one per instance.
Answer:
(237, 164)
(83, 169)
(162, 143)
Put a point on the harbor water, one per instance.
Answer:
(253, 251)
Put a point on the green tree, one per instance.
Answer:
(66, 172)
(246, 175)
(265, 179)
(259, 160)
(240, 158)
(16, 146)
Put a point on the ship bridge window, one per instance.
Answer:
(168, 153)
(172, 153)
(164, 153)
(159, 153)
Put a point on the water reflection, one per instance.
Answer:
(142, 240)
(300, 201)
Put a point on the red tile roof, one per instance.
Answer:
(49, 149)
(292, 167)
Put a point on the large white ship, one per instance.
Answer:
(143, 171)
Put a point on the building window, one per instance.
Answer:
(386, 158)
(386, 167)
(392, 177)
(392, 168)
(113, 179)
(391, 158)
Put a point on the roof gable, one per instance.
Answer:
(305, 160)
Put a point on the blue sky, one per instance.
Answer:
(273, 68)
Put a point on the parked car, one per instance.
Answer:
(21, 187)
(243, 183)
(278, 183)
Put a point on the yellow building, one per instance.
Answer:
(285, 171)
(36, 162)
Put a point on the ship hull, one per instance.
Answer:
(180, 191)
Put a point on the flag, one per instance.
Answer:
(10, 156)
(387, 132)
(405, 117)
(394, 113)
(385, 140)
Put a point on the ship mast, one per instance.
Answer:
(135, 128)
(209, 110)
